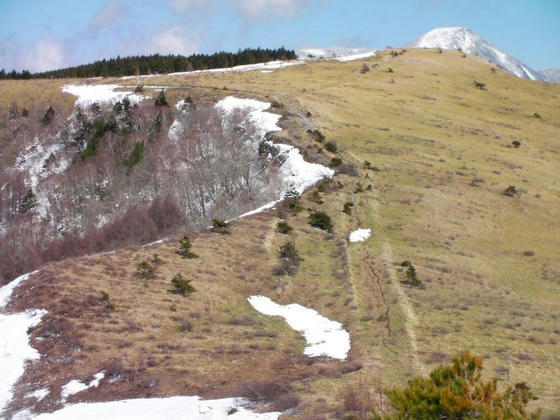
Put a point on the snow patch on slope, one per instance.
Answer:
(75, 386)
(192, 408)
(454, 38)
(269, 66)
(336, 53)
(324, 337)
(15, 350)
(295, 173)
(89, 94)
(359, 235)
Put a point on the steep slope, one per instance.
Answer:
(454, 38)
(551, 75)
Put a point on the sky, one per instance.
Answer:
(40, 35)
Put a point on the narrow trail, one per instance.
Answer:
(404, 303)
(369, 263)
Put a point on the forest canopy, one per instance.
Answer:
(158, 64)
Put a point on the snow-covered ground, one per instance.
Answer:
(75, 386)
(359, 235)
(89, 94)
(324, 337)
(295, 173)
(337, 53)
(187, 408)
(269, 66)
(15, 350)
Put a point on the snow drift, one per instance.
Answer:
(15, 350)
(324, 337)
(188, 408)
(359, 235)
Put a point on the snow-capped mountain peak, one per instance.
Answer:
(453, 38)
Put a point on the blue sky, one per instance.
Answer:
(46, 34)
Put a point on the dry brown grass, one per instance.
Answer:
(431, 134)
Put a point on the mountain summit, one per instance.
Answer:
(454, 38)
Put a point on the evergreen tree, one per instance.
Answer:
(185, 248)
(161, 100)
(182, 285)
(457, 391)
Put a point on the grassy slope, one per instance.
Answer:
(431, 133)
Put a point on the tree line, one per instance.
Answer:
(158, 64)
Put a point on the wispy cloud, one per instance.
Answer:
(250, 9)
(186, 5)
(175, 40)
(109, 13)
(45, 54)
(258, 9)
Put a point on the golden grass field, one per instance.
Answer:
(443, 152)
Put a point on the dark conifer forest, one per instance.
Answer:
(158, 64)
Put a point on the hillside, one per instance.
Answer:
(463, 39)
(441, 156)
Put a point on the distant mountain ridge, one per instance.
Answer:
(454, 38)
(551, 75)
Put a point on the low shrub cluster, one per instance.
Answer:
(321, 220)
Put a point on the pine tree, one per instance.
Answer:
(161, 100)
(457, 391)
(185, 248)
(182, 285)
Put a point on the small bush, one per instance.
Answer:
(49, 115)
(390, 70)
(156, 260)
(276, 104)
(219, 226)
(331, 146)
(335, 161)
(410, 276)
(317, 135)
(516, 144)
(537, 115)
(283, 227)
(316, 197)
(365, 69)
(321, 220)
(145, 271)
(139, 89)
(510, 191)
(479, 85)
(182, 286)
(185, 248)
(290, 260)
(368, 165)
(359, 188)
(292, 198)
(105, 300)
(348, 207)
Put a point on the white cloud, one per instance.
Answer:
(257, 9)
(175, 40)
(109, 12)
(250, 9)
(45, 54)
(186, 5)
